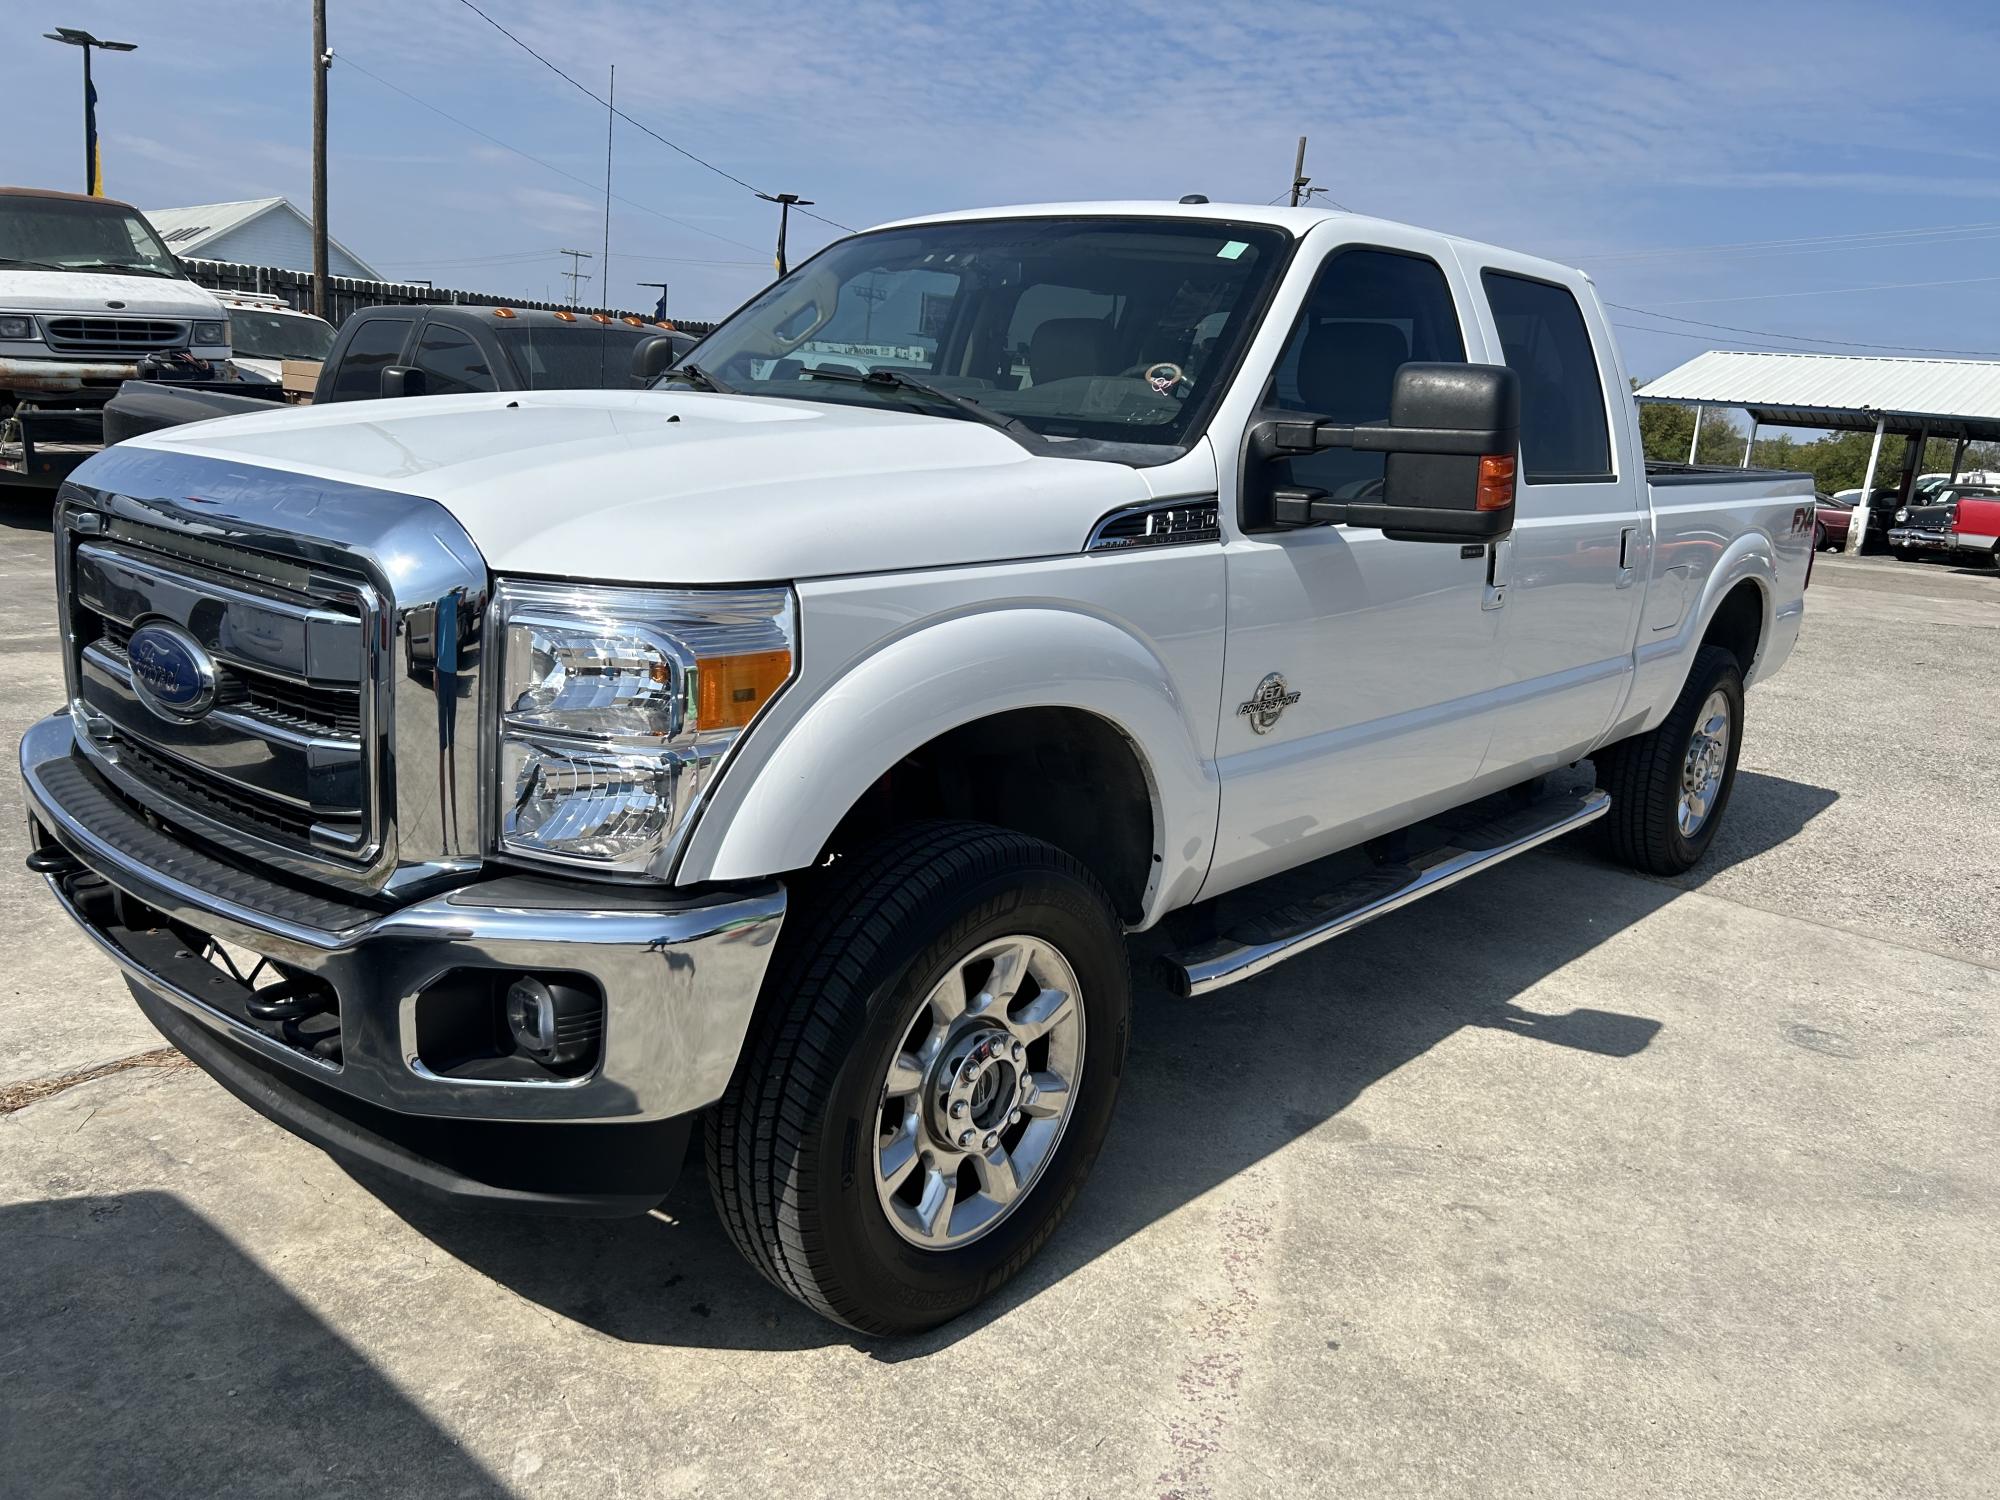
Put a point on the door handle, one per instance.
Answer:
(1626, 571)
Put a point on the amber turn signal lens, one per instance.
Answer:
(730, 689)
(1496, 482)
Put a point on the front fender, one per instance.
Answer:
(797, 775)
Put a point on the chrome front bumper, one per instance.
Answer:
(1921, 539)
(680, 977)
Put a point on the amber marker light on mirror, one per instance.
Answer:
(1496, 482)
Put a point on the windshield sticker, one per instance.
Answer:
(1164, 376)
(1233, 249)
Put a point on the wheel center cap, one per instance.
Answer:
(976, 1088)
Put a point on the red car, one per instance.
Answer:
(1830, 518)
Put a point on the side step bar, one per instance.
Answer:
(1290, 930)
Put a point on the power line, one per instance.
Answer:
(1887, 236)
(639, 125)
(1768, 333)
(347, 59)
(1833, 291)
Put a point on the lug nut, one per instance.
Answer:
(965, 1138)
(992, 1140)
(958, 1109)
(1020, 1052)
(1014, 1118)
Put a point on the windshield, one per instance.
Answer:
(571, 356)
(66, 234)
(1118, 330)
(271, 335)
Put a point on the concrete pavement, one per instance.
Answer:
(1564, 1182)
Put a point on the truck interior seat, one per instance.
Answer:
(1062, 348)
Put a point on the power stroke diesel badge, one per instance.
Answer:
(1270, 700)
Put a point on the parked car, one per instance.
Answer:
(265, 333)
(89, 297)
(437, 351)
(1934, 527)
(1830, 517)
(795, 750)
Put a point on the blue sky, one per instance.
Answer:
(1662, 148)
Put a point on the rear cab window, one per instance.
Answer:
(1565, 435)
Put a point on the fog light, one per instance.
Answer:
(556, 1024)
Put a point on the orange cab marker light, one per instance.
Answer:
(1496, 482)
(503, 312)
(662, 323)
(631, 322)
(600, 318)
(565, 317)
(730, 689)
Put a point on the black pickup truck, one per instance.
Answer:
(436, 351)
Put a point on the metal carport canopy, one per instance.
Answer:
(1945, 398)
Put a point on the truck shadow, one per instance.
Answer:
(144, 1354)
(1211, 1088)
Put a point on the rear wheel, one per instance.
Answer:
(1669, 787)
(930, 1078)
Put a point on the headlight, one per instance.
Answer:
(12, 327)
(208, 334)
(1903, 513)
(617, 707)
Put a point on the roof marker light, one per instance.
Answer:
(503, 312)
(565, 317)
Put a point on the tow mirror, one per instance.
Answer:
(1452, 440)
(652, 358)
(402, 380)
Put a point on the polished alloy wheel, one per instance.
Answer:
(1702, 769)
(979, 1090)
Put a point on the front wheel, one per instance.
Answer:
(930, 1077)
(1670, 785)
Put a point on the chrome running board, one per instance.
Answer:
(1290, 930)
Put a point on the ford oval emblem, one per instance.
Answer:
(171, 673)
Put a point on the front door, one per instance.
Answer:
(1357, 669)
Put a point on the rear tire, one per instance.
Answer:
(1670, 786)
(802, 1148)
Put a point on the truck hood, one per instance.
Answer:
(689, 487)
(95, 291)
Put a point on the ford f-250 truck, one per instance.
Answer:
(493, 787)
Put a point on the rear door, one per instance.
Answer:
(366, 349)
(1572, 570)
(452, 361)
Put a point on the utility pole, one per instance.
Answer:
(660, 307)
(874, 296)
(322, 60)
(1299, 178)
(93, 159)
(786, 202)
(610, 120)
(575, 272)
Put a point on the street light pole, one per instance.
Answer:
(93, 159)
(322, 60)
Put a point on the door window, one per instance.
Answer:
(1369, 313)
(1564, 435)
(452, 362)
(374, 347)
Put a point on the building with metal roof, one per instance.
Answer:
(1942, 398)
(1917, 399)
(254, 231)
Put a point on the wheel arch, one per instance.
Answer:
(1057, 683)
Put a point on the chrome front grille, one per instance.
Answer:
(284, 755)
(338, 630)
(115, 335)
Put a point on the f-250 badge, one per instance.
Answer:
(1270, 700)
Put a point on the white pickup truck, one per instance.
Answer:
(491, 788)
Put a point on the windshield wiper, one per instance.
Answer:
(1014, 427)
(696, 375)
(38, 265)
(122, 267)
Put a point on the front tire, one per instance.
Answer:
(1670, 786)
(930, 1077)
